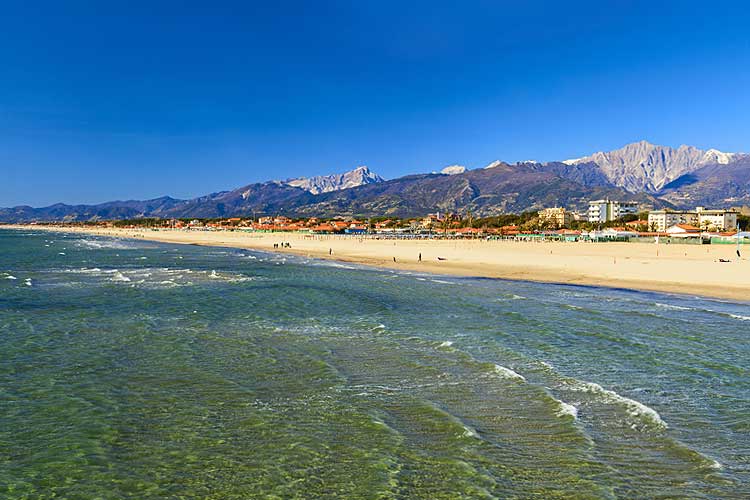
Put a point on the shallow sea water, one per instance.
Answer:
(131, 369)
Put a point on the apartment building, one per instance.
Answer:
(601, 211)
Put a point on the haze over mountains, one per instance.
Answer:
(656, 176)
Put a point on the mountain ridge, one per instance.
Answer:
(677, 177)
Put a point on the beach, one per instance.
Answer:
(671, 268)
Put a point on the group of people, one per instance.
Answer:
(282, 245)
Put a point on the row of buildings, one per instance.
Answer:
(701, 218)
(603, 211)
(599, 212)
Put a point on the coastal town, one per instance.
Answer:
(605, 220)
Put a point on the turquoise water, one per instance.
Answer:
(131, 369)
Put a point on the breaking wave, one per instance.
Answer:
(633, 407)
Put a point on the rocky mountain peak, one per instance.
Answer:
(643, 166)
(326, 183)
(453, 170)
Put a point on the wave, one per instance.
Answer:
(157, 276)
(118, 276)
(739, 317)
(673, 307)
(104, 244)
(511, 296)
(9, 277)
(566, 409)
(508, 373)
(633, 407)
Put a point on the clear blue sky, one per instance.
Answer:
(124, 100)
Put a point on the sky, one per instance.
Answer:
(133, 100)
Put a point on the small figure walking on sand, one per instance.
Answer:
(420, 256)
(394, 259)
(330, 251)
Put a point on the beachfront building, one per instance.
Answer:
(601, 211)
(557, 217)
(716, 220)
(684, 231)
(708, 220)
(660, 220)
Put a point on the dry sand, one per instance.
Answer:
(676, 268)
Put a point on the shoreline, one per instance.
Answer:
(692, 270)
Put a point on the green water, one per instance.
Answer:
(140, 370)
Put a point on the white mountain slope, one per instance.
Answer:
(336, 182)
(453, 170)
(642, 166)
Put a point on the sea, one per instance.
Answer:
(134, 369)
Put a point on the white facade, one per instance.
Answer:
(661, 220)
(709, 220)
(716, 220)
(607, 210)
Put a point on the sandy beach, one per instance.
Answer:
(675, 268)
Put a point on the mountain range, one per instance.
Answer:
(655, 176)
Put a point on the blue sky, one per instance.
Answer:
(125, 100)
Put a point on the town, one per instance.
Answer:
(605, 220)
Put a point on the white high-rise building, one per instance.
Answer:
(606, 210)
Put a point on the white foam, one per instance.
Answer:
(511, 296)
(741, 318)
(102, 244)
(118, 276)
(61, 253)
(634, 408)
(10, 277)
(27, 282)
(447, 343)
(442, 282)
(670, 306)
(566, 410)
(508, 373)
(469, 432)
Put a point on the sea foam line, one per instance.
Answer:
(508, 373)
(634, 408)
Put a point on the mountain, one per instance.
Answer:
(645, 167)
(503, 188)
(715, 185)
(453, 170)
(327, 183)
(653, 175)
(131, 209)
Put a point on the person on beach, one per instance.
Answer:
(420, 256)
(330, 251)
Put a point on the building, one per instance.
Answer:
(558, 217)
(660, 220)
(716, 220)
(708, 220)
(684, 231)
(601, 211)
